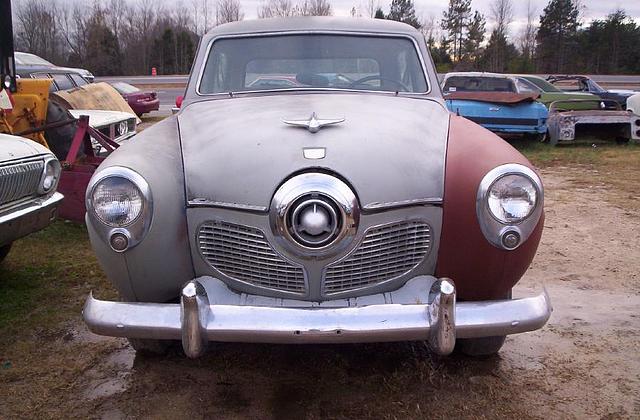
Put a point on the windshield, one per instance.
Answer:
(313, 61)
(478, 84)
(26, 59)
(542, 84)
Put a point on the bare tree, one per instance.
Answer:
(372, 6)
(276, 8)
(429, 27)
(527, 39)
(316, 8)
(228, 11)
(502, 15)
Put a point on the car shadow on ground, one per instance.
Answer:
(306, 381)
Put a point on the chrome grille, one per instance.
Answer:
(20, 180)
(243, 253)
(386, 252)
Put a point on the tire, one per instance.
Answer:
(538, 138)
(59, 138)
(150, 347)
(481, 346)
(4, 250)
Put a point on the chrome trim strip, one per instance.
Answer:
(203, 202)
(34, 206)
(403, 203)
(315, 32)
(439, 321)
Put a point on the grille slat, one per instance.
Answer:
(243, 253)
(19, 180)
(385, 253)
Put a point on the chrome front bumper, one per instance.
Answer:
(195, 321)
(28, 218)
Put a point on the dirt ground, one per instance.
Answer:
(584, 364)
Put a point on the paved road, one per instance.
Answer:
(617, 81)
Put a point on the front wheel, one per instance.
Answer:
(4, 250)
(538, 137)
(150, 347)
(481, 346)
(478, 347)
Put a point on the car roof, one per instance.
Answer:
(314, 23)
(477, 74)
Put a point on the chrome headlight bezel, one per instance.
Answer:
(137, 228)
(499, 232)
(50, 162)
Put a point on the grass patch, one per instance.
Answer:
(46, 277)
(611, 167)
(581, 153)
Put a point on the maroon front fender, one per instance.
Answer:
(480, 270)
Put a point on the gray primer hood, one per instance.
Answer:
(238, 151)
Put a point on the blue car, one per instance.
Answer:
(493, 101)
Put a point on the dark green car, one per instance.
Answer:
(549, 93)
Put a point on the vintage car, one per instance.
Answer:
(321, 213)
(28, 60)
(140, 101)
(29, 175)
(605, 120)
(493, 101)
(527, 83)
(633, 104)
(572, 83)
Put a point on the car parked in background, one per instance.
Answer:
(526, 83)
(29, 175)
(32, 60)
(336, 211)
(117, 125)
(62, 79)
(573, 83)
(633, 104)
(493, 101)
(140, 101)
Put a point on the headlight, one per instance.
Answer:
(117, 201)
(512, 198)
(120, 207)
(122, 128)
(50, 175)
(509, 205)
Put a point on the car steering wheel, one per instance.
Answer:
(363, 80)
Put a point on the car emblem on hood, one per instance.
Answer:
(314, 124)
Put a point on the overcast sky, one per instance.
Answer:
(594, 9)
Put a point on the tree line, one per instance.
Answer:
(116, 37)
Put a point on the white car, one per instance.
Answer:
(633, 104)
(29, 175)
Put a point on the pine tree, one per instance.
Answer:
(471, 50)
(403, 11)
(454, 22)
(557, 36)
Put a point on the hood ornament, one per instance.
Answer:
(314, 124)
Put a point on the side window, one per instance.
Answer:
(62, 81)
(77, 79)
(524, 86)
(52, 86)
